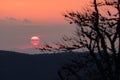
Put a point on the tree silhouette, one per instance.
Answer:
(99, 34)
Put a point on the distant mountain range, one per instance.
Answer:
(20, 66)
(37, 51)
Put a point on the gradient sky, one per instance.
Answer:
(22, 19)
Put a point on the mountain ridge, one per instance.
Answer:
(20, 66)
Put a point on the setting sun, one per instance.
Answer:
(35, 40)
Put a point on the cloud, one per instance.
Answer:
(15, 20)
(11, 19)
(26, 21)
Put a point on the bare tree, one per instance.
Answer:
(99, 33)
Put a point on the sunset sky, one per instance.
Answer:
(22, 19)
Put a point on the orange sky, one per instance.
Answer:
(38, 9)
(22, 19)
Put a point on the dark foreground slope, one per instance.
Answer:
(17, 66)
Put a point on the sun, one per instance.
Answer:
(35, 40)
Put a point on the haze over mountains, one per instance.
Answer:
(28, 51)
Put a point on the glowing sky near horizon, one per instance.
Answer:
(21, 19)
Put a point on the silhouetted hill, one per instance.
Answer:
(20, 66)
